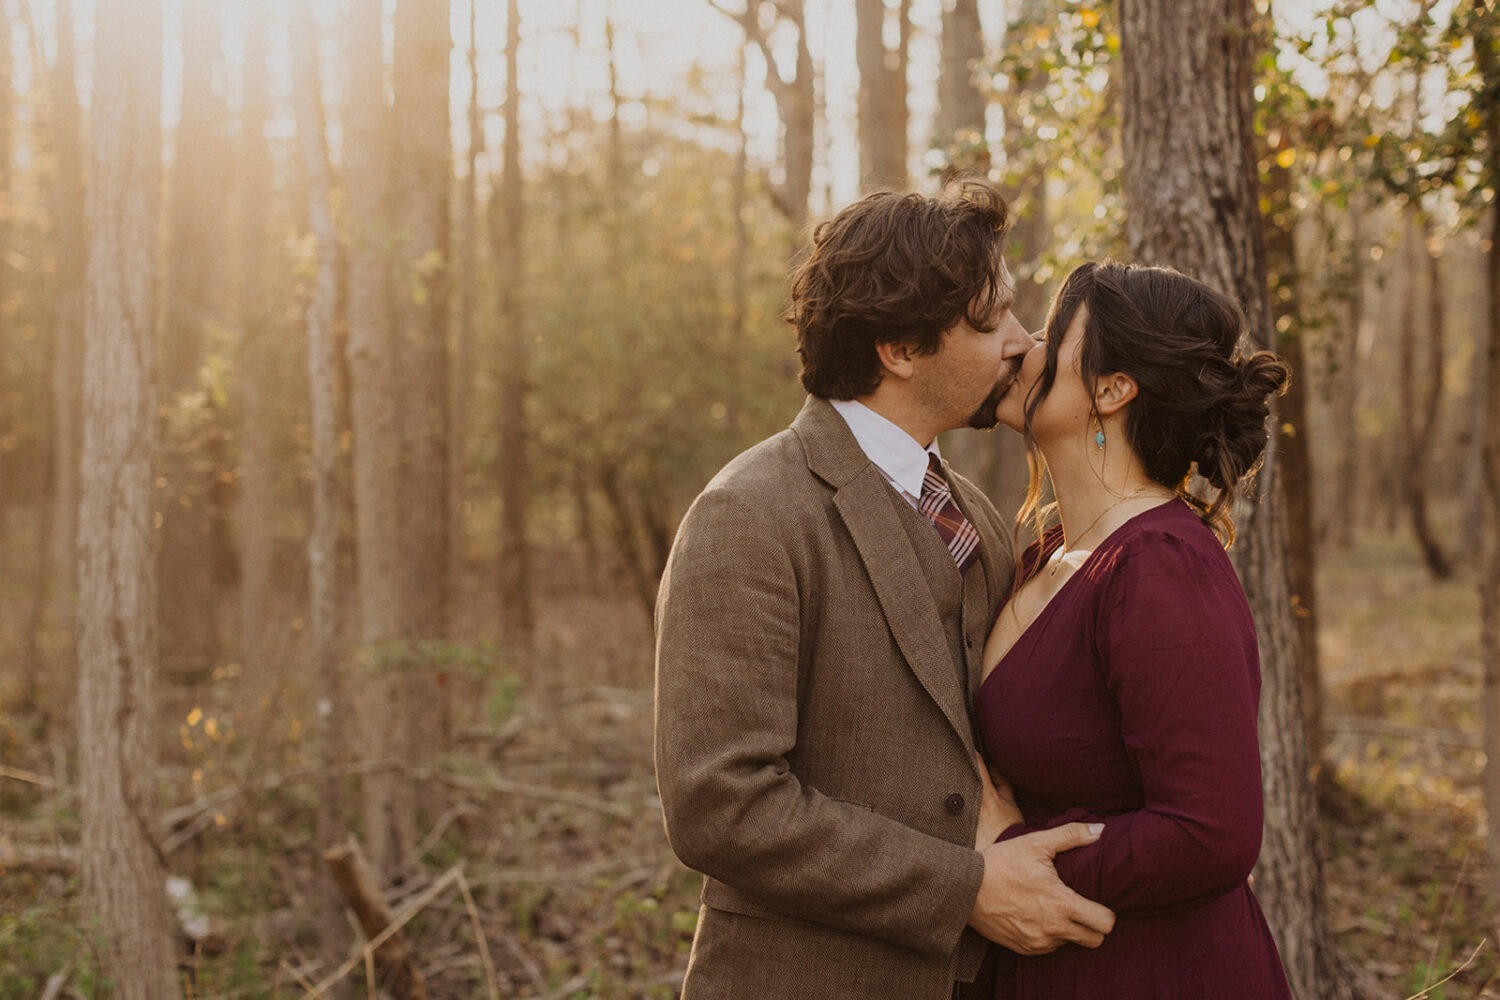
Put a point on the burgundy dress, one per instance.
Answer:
(1131, 699)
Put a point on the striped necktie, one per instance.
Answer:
(937, 504)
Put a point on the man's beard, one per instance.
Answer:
(988, 413)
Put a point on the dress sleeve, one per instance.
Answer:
(1176, 647)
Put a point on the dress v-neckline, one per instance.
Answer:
(1041, 564)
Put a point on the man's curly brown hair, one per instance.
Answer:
(896, 268)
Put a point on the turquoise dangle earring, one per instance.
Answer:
(1099, 434)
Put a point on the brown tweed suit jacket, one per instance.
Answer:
(814, 752)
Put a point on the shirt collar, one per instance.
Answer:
(895, 452)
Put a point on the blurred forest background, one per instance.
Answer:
(357, 360)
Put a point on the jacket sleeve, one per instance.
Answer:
(1177, 649)
(729, 622)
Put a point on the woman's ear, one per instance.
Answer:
(895, 358)
(1112, 392)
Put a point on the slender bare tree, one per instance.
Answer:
(388, 801)
(322, 541)
(795, 93)
(1193, 202)
(71, 243)
(123, 868)
(517, 617)
(257, 374)
(1486, 35)
(423, 166)
(883, 108)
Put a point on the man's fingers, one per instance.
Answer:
(1096, 918)
(1065, 838)
(1085, 935)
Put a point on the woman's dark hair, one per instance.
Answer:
(895, 268)
(1200, 403)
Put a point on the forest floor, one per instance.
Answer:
(551, 822)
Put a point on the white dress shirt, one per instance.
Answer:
(894, 452)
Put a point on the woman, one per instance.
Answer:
(1122, 676)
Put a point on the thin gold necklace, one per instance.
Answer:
(1057, 557)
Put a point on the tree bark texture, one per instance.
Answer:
(1191, 191)
(883, 114)
(517, 617)
(322, 541)
(194, 536)
(388, 802)
(123, 870)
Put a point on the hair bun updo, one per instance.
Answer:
(1233, 440)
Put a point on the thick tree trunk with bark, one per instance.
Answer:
(322, 541)
(123, 869)
(1191, 190)
(883, 113)
(516, 615)
(388, 800)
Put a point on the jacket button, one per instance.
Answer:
(954, 803)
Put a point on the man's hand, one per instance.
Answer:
(1022, 903)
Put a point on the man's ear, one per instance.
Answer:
(896, 358)
(1112, 392)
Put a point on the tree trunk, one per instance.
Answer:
(193, 533)
(1487, 61)
(388, 798)
(71, 245)
(462, 368)
(517, 618)
(423, 165)
(322, 541)
(257, 368)
(796, 102)
(1190, 184)
(1295, 441)
(123, 870)
(960, 120)
(883, 114)
(1347, 397)
(1419, 403)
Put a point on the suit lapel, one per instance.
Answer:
(863, 499)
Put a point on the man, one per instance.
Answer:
(818, 641)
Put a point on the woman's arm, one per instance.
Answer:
(1177, 649)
